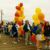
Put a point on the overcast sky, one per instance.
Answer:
(8, 7)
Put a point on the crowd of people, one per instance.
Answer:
(35, 34)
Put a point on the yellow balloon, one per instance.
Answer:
(20, 18)
(43, 37)
(36, 22)
(37, 10)
(35, 17)
(19, 4)
(22, 8)
(16, 19)
(23, 16)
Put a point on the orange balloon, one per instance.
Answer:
(21, 31)
(20, 23)
(41, 16)
(20, 12)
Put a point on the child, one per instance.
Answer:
(39, 37)
(34, 28)
(33, 39)
(40, 40)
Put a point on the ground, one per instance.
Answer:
(6, 43)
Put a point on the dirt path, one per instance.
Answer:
(6, 43)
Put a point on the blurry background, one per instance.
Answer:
(8, 8)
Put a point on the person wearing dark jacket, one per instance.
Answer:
(27, 30)
(14, 31)
(47, 33)
(34, 29)
(47, 30)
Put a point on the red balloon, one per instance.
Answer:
(17, 7)
(20, 23)
(33, 38)
(17, 15)
(21, 4)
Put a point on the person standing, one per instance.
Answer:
(47, 34)
(27, 30)
(15, 32)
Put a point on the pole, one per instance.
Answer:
(1, 16)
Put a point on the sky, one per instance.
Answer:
(8, 7)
